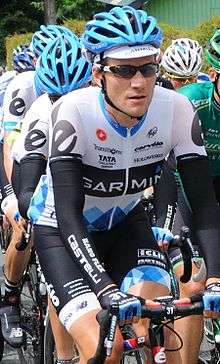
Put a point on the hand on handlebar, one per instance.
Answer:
(162, 236)
(211, 300)
(10, 208)
(125, 306)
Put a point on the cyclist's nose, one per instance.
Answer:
(138, 79)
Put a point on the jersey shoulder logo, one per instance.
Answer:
(17, 105)
(64, 138)
(101, 134)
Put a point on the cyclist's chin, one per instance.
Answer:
(138, 109)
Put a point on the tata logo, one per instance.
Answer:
(107, 161)
(152, 132)
(101, 134)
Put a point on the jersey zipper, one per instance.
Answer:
(126, 158)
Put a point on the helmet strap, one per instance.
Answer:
(110, 102)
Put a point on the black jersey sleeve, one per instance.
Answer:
(165, 196)
(32, 166)
(197, 183)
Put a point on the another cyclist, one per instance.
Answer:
(108, 145)
(182, 61)
(22, 60)
(60, 69)
(19, 96)
(205, 98)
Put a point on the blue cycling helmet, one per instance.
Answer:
(20, 48)
(47, 33)
(122, 26)
(61, 68)
(23, 59)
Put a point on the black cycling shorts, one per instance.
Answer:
(120, 249)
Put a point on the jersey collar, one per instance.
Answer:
(125, 132)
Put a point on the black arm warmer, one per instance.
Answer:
(5, 185)
(69, 202)
(198, 187)
(32, 167)
(166, 197)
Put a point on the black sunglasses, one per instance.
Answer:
(128, 71)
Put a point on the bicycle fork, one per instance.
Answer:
(156, 337)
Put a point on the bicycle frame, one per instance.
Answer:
(162, 310)
(156, 338)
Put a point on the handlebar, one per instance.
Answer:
(183, 242)
(159, 310)
(23, 243)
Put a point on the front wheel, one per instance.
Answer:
(32, 322)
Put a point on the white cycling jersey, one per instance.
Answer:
(34, 136)
(5, 79)
(118, 163)
(19, 96)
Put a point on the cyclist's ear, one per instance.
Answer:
(212, 74)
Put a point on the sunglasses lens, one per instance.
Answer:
(123, 71)
(128, 71)
(148, 70)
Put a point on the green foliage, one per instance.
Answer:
(17, 16)
(204, 31)
(77, 26)
(170, 33)
(78, 9)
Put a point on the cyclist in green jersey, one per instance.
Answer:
(206, 99)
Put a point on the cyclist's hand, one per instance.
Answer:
(6, 223)
(10, 208)
(124, 305)
(211, 300)
(162, 236)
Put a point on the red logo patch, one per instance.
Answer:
(101, 134)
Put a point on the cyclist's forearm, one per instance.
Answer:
(36, 163)
(166, 198)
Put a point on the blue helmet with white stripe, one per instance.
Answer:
(42, 37)
(24, 61)
(61, 68)
(122, 26)
(23, 58)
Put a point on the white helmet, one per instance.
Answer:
(183, 58)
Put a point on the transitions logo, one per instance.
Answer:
(107, 149)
